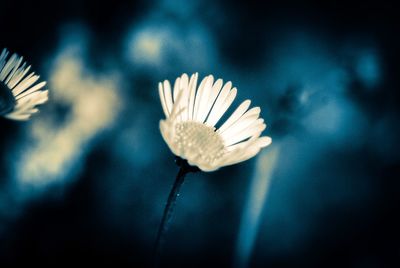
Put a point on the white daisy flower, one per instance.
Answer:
(19, 94)
(191, 116)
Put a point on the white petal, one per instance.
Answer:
(202, 112)
(176, 91)
(252, 114)
(254, 140)
(25, 84)
(235, 115)
(162, 99)
(20, 117)
(14, 69)
(22, 71)
(211, 99)
(246, 151)
(243, 144)
(31, 90)
(226, 104)
(264, 141)
(176, 111)
(176, 87)
(168, 96)
(166, 131)
(215, 114)
(192, 93)
(246, 155)
(28, 111)
(245, 134)
(185, 95)
(3, 56)
(35, 98)
(241, 126)
(199, 96)
(8, 67)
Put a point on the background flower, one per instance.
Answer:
(25, 93)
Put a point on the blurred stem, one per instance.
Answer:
(168, 210)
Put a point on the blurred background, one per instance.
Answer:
(85, 181)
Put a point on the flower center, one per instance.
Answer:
(7, 100)
(199, 141)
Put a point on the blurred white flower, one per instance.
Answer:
(18, 94)
(191, 115)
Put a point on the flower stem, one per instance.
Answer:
(168, 210)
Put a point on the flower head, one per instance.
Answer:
(19, 94)
(191, 116)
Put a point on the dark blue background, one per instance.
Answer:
(325, 76)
